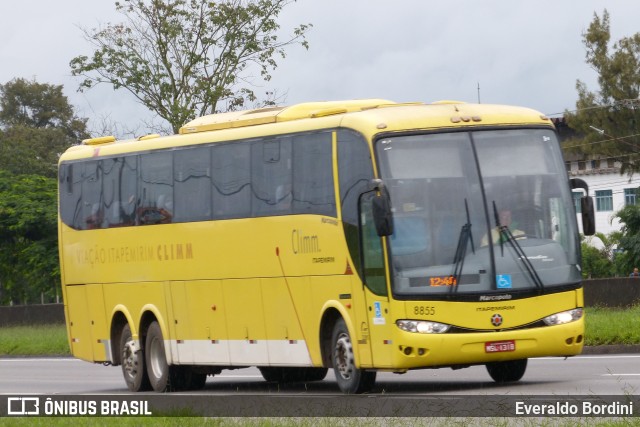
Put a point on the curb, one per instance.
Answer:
(611, 349)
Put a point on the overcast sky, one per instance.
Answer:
(519, 52)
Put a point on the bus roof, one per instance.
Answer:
(368, 116)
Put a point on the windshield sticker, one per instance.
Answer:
(378, 320)
(503, 281)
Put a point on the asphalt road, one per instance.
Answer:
(608, 374)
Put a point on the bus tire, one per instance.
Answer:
(132, 362)
(506, 372)
(351, 379)
(156, 358)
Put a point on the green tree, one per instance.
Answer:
(614, 109)
(29, 268)
(595, 263)
(630, 241)
(31, 104)
(187, 58)
(37, 124)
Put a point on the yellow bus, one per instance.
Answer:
(362, 236)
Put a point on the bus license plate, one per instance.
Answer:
(499, 346)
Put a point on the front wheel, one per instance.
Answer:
(351, 379)
(506, 372)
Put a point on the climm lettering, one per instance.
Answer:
(176, 251)
(304, 243)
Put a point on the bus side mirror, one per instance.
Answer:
(382, 217)
(586, 206)
(381, 209)
(588, 216)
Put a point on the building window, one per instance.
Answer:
(577, 196)
(630, 196)
(611, 163)
(582, 165)
(604, 200)
(595, 164)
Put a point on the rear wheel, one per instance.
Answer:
(132, 358)
(155, 356)
(506, 372)
(350, 379)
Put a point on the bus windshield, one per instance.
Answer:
(479, 212)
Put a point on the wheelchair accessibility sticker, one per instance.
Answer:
(378, 319)
(503, 281)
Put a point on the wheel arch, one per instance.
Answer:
(120, 316)
(150, 314)
(330, 316)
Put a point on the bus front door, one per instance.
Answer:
(375, 284)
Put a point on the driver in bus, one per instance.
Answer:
(505, 219)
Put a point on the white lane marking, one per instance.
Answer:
(595, 356)
(619, 375)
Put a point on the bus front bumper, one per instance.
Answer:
(414, 350)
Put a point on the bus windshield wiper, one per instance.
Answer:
(506, 235)
(461, 250)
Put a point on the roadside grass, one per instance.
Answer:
(603, 326)
(41, 340)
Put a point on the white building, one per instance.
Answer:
(610, 190)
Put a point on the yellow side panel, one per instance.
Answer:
(285, 304)
(99, 327)
(281, 315)
(245, 321)
(206, 312)
(87, 323)
(180, 326)
(79, 323)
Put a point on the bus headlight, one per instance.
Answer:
(563, 317)
(422, 326)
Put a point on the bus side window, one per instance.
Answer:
(231, 180)
(192, 180)
(271, 176)
(92, 209)
(156, 206)
(313, 189)
(70, 194)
